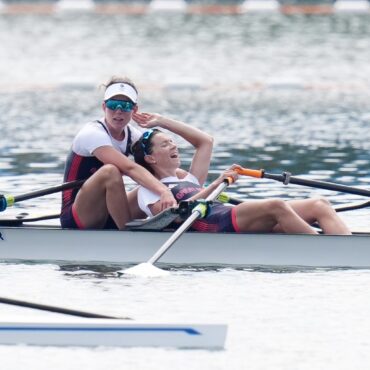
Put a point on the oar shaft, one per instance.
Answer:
(51, 190)
(61, 310)
(286, 179)
(317, 184)
(8, 200)
(225, 198)
(189, 221)
(161, 251)
(352, 206)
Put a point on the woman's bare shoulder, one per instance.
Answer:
(180, 173)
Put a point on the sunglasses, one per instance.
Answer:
(145, 140)
(125, 106)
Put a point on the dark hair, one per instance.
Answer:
(142, 148)
(118, 79)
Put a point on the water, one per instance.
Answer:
(277, 92)
(311, 319)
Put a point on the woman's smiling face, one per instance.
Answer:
(164, 151)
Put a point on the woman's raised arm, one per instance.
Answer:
(201, 141)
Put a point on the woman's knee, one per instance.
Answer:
(275, 208)
(110, 171)
(261, 215)
(321, 206)
(276, 205)
(109, 174)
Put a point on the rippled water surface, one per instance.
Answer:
(277, 92)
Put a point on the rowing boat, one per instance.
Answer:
(108, 332)
(51, 243)
(21, 241)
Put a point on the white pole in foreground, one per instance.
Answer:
(147, 269)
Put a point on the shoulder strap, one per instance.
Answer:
(106, 130)
(129, 140)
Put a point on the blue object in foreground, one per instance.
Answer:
(112, 332)
(3, 203)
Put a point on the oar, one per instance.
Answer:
(352, 206)
(225, 198)
(286, 179)
(147, 268)
(9, 200)
(62, 310)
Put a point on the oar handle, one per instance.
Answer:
(249, 172)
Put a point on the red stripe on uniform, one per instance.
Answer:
(75, 165)
(77, 219)
(72, 175)
(234, 221)
(204, 226)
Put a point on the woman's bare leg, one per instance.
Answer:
(266, 215)
(103, 194)
(320, 210)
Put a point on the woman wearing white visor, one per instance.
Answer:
(99, 155)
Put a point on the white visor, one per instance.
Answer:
(121, 88)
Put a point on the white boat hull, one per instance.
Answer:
(126, 247)
(107, 332)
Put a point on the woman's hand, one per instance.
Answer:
(229, 173)
(167, 200)
(147, 120)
